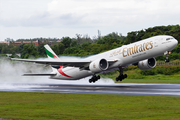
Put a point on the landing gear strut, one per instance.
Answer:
(167, 53)
(121, 76)
(94, 79)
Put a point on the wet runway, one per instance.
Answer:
(115, 88)
(11, 79)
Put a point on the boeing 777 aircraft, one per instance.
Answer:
(140, 53)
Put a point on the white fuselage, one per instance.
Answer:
(124, 55)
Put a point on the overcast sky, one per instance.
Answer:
(60, 18)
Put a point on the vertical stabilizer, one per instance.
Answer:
(50, 52)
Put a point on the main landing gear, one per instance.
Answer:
(121, 76)
(94, 79)
(167, 53)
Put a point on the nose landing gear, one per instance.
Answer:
(167, 53)
(166, 60)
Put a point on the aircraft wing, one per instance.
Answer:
(56, 62)
(72, 63)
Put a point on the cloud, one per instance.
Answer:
(84, 16)
(90, 13)
(113, 12)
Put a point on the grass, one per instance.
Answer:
(168, 79)
(57, 106)
(165, 81)
(41, 106)
(135, 75)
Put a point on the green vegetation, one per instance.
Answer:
(159, 74)
(157, 79)
(85, 46)
(18, 105)
(15, 105)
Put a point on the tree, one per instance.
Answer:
(41, 50)
(71, 50)
(66, 41)
(29, 50)
(55, 49)
(110, 39)
(74, 43)
(99, 34)
(5, 49)
(61, 48)
(131, 37)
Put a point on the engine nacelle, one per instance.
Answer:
(147, 64)
(99, 65)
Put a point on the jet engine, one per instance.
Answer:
(99, 65)
(147, 64)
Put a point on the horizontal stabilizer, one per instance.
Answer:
(39, 74)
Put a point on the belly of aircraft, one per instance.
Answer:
(71, 73)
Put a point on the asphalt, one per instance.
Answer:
(115, 88)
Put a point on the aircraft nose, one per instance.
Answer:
(172, 44)
(175, 42)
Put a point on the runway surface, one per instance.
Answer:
(11, 79)
(115, 88)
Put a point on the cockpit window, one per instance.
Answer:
(169, 38)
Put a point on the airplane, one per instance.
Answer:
(139, 53)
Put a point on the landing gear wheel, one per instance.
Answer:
(125, 75)
(121, 76)
(166, 60)
(117, 79)
(94, 79)
(90, 80)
